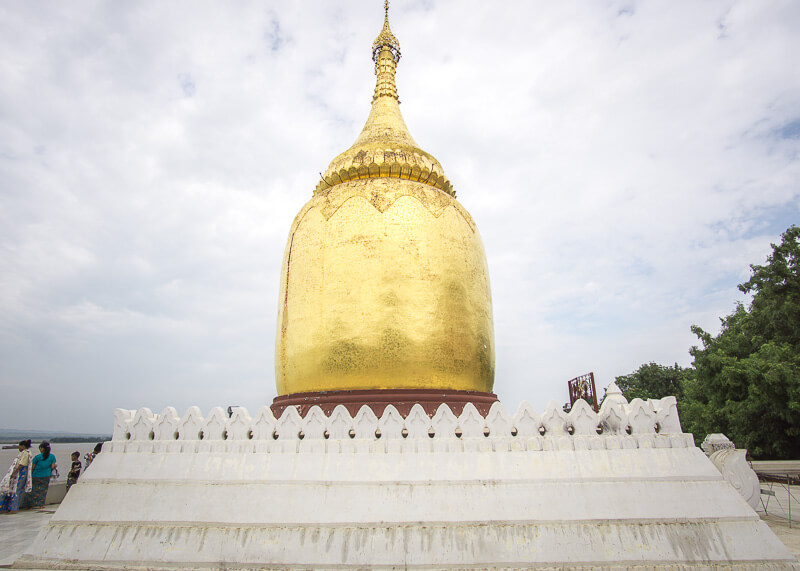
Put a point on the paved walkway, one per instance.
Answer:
(774, 510)
(790, 536)
(775, 501)
(18, 531)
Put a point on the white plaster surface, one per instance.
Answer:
(519, 491)
(735, 469)
(714, 442)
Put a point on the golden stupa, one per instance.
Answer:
(384, 282)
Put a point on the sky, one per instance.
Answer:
(625, 163)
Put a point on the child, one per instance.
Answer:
(74, 471)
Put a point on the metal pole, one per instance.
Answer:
(789, 489)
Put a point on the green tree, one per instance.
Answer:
(654, 381)
(748, 377)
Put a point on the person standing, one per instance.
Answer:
(75, 470)
(17, 481)
(44, 465)
(93, 454)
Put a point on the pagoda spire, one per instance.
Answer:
(385, 148)
(385, 54)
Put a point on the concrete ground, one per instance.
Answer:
(790, 536)
(775, 501)
(18, 531)
(775, 509)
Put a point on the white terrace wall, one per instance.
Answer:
(620, 489)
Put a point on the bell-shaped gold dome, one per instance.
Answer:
(385, 283)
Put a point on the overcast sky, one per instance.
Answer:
(625, 162)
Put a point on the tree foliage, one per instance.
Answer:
(653, 381)
(747, 382)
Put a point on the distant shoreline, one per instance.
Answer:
(54, 439)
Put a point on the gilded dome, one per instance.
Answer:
(385, 283)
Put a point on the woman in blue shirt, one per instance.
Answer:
(44, 464)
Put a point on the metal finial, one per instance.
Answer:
(386, 38)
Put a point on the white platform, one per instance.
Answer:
(505, 492)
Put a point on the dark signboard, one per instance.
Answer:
(583, 388)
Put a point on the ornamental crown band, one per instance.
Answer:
(640, 424)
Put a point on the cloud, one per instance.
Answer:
(625, 163)
(187, 85)
(790, 130)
